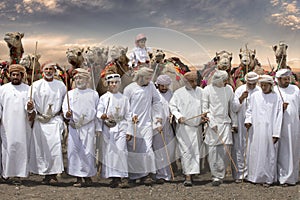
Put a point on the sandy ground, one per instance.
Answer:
(31, 188)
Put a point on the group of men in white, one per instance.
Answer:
(133, 134)
(256, 128)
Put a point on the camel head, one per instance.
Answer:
(223, 59)
(247, 56)
(280, 53)
(27, 61)
(75, 56)
(14, 39)
(117, 51)
(158, 56)
(96, 55)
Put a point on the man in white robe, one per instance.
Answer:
(80, 107)
(264, 115)
(46, 103)
(218, 101)
(185, 104)
(140, 54)
(239, 148)
(289, 143)
(114, 113)
(143, 97)
(164, 155)
(15, 127)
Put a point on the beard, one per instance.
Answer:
(47, 76)
(81, 86)
(16, 81)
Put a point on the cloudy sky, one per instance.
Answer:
(192, 29)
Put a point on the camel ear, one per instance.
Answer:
(82, 50)
(38, 56)
(240, 50)
(126, 49)
(274, 48)
(22, 35)
(254, 51)
(286, 46)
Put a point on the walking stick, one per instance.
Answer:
(277, 84)
(245, 155)
(203, 114)
(168, 157)
(134, 135)
(226, 150)
(33, 69)
(67, 86)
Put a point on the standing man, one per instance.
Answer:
(80, 109)
(115, 116)
(265, 114)
(15, 128)
(162, 159)
(288, 145)
(46, 102)
(241, 100)
(185, 104)
(143, 97)
(218, 101)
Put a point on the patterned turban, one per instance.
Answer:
(145, 71)
(163, 80)
(191, 76)
(82, 72)
(283, 73)
(113, 77)
(251, 77)
(48, 64)
(16, 68)
(140, 37)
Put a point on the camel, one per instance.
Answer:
(118, 65)
(27, 62)
(280, 54)
(222, 61)
(14, 43)
(248, 63)
(172, 67)
(75, 57)
(95, 59)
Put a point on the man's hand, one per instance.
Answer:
(275, 139)
(135, 119)
(181, 120)
(159, 129)
(30, 105)
(234, 129)
(285, 105)
(158, 120)
(204, 119)
(128, 137)
(248, 125)
(69, 114)
(104, 116)
(243, 96)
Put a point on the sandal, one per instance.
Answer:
(187, 183)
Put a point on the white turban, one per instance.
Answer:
(219, 77)
(283, 73)
(145, 71)
(251, 77)
(163, 80)
(266, 79)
